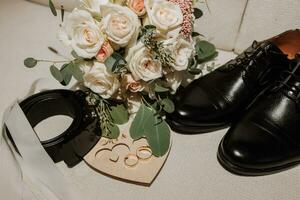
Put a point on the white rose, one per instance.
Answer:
(182, 51)
(101, 81)
(166, 16)
(82, 33)
(173, 81)
(120, 24)
(141, 64)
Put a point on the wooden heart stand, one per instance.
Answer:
(126, 159)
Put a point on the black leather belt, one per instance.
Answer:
(73, 144)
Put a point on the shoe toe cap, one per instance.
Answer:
(196, 104)
(249, 145)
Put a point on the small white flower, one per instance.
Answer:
(182, 50)
(120, 24)
(141, 63)
(166, 16)
(101, 81)
(82, 33)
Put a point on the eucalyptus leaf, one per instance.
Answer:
(53, 50)
(56, 73)
(195, 71)
(62, 11)
(110, 62)
(52, 8)
(195, 34)
(119, 114)
(113, 133)
(155, 105)
(193, 67)
(115, 63)
(141, 119)
(159, 88)
(197, 13)
(168, 105)
(66, 73)
(76, 71)
(205, 51)
(74, 54)
(157, 135)
(30, 62)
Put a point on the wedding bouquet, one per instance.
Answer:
(131, 56)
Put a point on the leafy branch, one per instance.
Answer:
(148, 34)
(205, 51)
(109, 115)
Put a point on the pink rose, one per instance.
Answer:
(105, 51)
(137, 6)
(130, 84)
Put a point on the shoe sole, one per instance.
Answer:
(243, 171)
(189, 130)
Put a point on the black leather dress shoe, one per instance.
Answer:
(267, 138)
(215, 100)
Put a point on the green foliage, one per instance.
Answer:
(159, 88)
(168, 105)
(66, 73)
(74, 67)
(148, 34)
(52, 8)
(74, 54)
(30, 62)
(150, 126)
(195, 34)
(193, 66)
(56, 73)
(109, 116)
(119, 114)
(205, 51)
(158, 136)
(62, 11)
(141, 119)
(53, 50)
(198, 13)
(113, 132)
(116, 63)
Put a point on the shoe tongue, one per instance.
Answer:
(273, 48)
(267, 46)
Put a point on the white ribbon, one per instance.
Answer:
(33, 175)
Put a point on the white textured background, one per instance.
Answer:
(191, 172)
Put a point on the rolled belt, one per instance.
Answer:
(82, 135)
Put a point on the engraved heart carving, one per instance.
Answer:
(126, 159)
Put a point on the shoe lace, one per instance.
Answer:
(287, 80)
(245, 58)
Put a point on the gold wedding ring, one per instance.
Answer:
(144, 153)
(131, 160)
